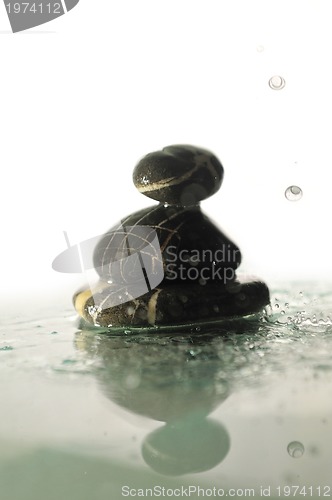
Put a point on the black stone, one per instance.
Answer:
(169, 265)
(178, 304)
(192, 247)
(179, 175)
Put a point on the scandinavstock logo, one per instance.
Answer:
(25, 15)
(128, 258)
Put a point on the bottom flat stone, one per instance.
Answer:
(171, 306)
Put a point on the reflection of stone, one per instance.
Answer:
(177, 380)
(192, 445)
(159, 377)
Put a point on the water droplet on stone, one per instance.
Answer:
(277, 82)
(295, 449)
(194, 352)
(268, 310)
(130, 310)
(293, 193)
(132, 381)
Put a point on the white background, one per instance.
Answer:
(84, 97)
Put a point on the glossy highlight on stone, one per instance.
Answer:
(169, 265)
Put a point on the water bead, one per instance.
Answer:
(293, 193)
(277, 82)
(295, 449)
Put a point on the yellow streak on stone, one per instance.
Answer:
(152, 304)
(81, 299)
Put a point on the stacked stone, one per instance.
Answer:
(169, 264)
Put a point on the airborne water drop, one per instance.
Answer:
(293, 193)
(277, 82)
(295, 449)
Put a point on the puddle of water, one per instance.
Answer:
(230, 408)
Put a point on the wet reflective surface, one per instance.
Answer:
(85, 413)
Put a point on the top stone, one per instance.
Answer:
(179, 175)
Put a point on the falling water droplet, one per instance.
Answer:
(277, 82)
(293, 193)
(295, 449)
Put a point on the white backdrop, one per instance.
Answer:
(84, 97)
